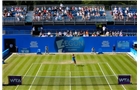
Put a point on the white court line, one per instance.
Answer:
(35, 77)
(9, 57)
(70, 79)
(115, 74)
(70, 63)
(71, 71)
(25, 74)
(105, 77)
(131, 57)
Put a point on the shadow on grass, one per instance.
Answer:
(80, 65)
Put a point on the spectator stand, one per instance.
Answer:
(14, 14)
(124, 13)
(69, 13)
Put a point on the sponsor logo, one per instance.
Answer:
(69, 44)
(124, 79)
(25, 50)
(15, 80)
(33, 44)
(105, 44)
(123, 44)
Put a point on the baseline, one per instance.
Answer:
(9, 57)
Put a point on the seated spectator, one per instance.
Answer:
(127, 8)
(59, 34)
(121, 17)
(64, 33)
(78, 33)
(49, 33)
(40, 34)
(93, 50)
(97, 33)
(84, 35)
(9, 14)
(71, 33)
(33, 29)
(110, 33)
(135, 16)
(78, 14)
(87, 33)
(107, 33)
(12, 9)
(61, 5)
(44, 35)
(120, 34)
(129, 16)
(104, 14)
(88, 16)
(93, 34)
(83, 17)
(56, 34)
(113, 33)
(70, 16)
(75, 33)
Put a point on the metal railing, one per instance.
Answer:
(124, 6)
(66, 21)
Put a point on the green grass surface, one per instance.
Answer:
(57, 72)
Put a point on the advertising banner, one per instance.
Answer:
(69, 44)
(124, 79)
(15, 80)
(72, 44)
(24, 50)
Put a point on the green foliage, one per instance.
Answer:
(20, 2)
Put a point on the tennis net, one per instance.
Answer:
(69, 80)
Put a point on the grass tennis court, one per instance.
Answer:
(57, 72)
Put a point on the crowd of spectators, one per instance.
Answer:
(15, 11)
(82, 33)
(59, 13)
(121, 13)
(69, 12)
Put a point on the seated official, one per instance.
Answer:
(93, 50)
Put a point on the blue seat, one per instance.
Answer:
(92, 17)
(78, 18)
(74, 15)
(102, 17)
(66, 18)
